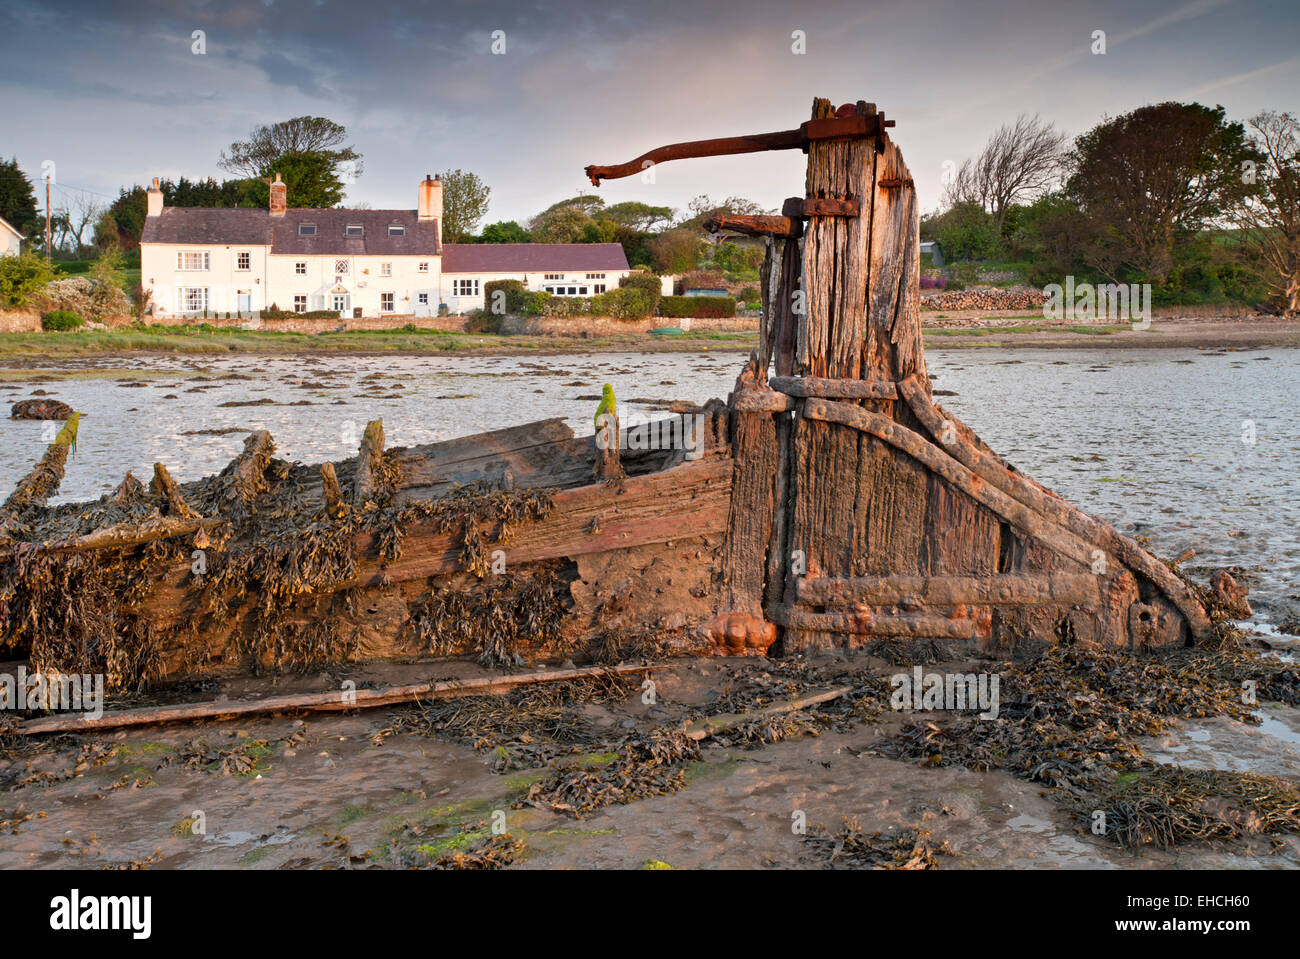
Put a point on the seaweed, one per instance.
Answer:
(851, 847)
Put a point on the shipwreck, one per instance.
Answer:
(828, 502)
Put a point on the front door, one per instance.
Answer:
(245, 302)
(339, 302)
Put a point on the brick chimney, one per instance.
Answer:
(279, 197)
(154, 198)
(430, 207)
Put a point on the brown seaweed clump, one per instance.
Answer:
(495, 620)
(1070, 715)
(646, 764)
(852, 848)
(1169, 805)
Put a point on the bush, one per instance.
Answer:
(22, 277)
(566, 306)
(481, 321)
(968, 232)
(626, 303)
(697, 306)
(751, 296)
(58, 321)
(87, 298)
(643, 280)
(519, 301)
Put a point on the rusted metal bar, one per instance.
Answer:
(804, 386)
(778, 226)
(828, 128)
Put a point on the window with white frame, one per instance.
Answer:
(465, 287)
(595, 276)
(396, 229)
(423, 298)
(553, 276)
(423, 267)
(385, 269)
(386, 302)
(340, 266)
(306, 229)
(598, 288)
(192, 299)
(243, 260)
(192, 260)
(300, 303)
(354, 229)
(566, 290)
(300, 268)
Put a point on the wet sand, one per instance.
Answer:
(327, 793)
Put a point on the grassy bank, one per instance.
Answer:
(213, 340)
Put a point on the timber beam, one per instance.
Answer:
(1003, 589)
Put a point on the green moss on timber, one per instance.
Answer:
(254, 855)
(655, 864)
(351, 814)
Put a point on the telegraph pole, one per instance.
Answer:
(47, 218)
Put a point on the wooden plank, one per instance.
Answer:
(702, 729)
(753, 499)
(936, 460)
(908, 625)
(804, 386)
(1014, 589)
(762, 401)
(332, 701)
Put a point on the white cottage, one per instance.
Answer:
(198, 261)
(11, 241)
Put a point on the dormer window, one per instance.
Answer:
(396, 230)
(354, 229)
(306, 229)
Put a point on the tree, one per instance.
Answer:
(18, 199)
(560, 224)
(123, 221)
(967, 232)
(464, 204)
(300, 136)
(311, 179)
(641, 217)
(676, 251)
(1151, 177)
(566, 221)
(1019, 163)
(82, 210)
(308, 153)
(505, 231)
(1269, 216)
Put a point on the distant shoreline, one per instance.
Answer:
(1163, 333)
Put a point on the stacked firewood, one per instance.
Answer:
(985, 298)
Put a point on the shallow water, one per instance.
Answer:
(1152, 440)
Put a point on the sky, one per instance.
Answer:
(113, 93)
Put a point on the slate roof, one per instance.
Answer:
(180, 224)
(420, 237)
(201, 225)
(232, 227)
(532, 257)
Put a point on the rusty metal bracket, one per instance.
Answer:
(855, 127)
(797, 207)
